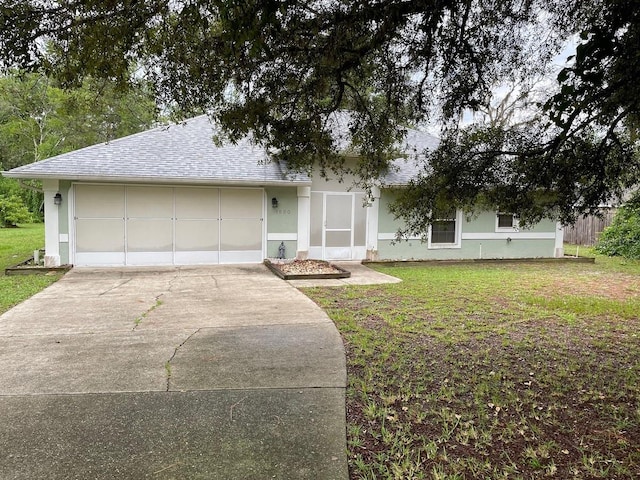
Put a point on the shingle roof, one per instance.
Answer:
(185, 152)
(404, 169)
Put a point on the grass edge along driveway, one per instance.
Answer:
(17, 245)
(493, 371)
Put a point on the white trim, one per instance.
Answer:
(166, 181)
(303, 236)
(338, 253)
(241, 256)
(149, 258)
(559, 246)
(278, 237)
(512, 235)
(51, 224)
(373, 222)
(206, 257)
(71, 212)
(458, 232)
(99, 259)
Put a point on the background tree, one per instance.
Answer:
(279, 69)
(38, 119)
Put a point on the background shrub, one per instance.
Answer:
(622, 238)
(13, 211)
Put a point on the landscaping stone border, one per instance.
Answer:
(394, 263)
(311, 276)
(27, 268)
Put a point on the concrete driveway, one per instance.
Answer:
(222, 372)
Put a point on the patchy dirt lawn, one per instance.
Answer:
(509, 371)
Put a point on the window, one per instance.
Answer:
(444, 230)
(506, 221)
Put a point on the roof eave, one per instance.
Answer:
(158, 180)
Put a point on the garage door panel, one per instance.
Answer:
(149, 235)
(235, 203)
(99, 259)
(149, 225)
(99, 235)
(99, 201)
(197, 203)
(197, 235)
(149, 202)
(197, 258)
(240, 234)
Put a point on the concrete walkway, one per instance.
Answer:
(360, 275)
(179, 373)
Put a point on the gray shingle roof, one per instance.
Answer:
(404, 169)
(185, 152)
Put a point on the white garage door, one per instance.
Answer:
(142, 225)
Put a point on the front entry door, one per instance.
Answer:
(344, 226)
(338, 226)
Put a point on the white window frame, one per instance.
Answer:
(458, 235)
(515, 225)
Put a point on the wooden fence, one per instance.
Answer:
(586, 230)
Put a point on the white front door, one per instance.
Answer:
(338, 226)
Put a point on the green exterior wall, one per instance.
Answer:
(290, 247)
(332, 183)
(486, 222)
(283, 219)
(481, 223)
(386, 222)
(470, 249)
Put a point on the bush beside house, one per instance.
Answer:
(622, 238)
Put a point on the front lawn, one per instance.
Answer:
(493, 371)
(16, 245)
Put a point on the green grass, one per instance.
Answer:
(16, 245)
(493, 371)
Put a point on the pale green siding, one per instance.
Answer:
(486, 222)
(470, 249)
(480, 223)
(283, 219)
(386, 222)
(509, 246)
(290, 247)
(333, 183)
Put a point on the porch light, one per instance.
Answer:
(274, 202)
(57, 199)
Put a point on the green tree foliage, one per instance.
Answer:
(39, 119)
(13, 211)
(279, 69)
(32, 198)
(622, 237)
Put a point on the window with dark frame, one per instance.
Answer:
(506, 220)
